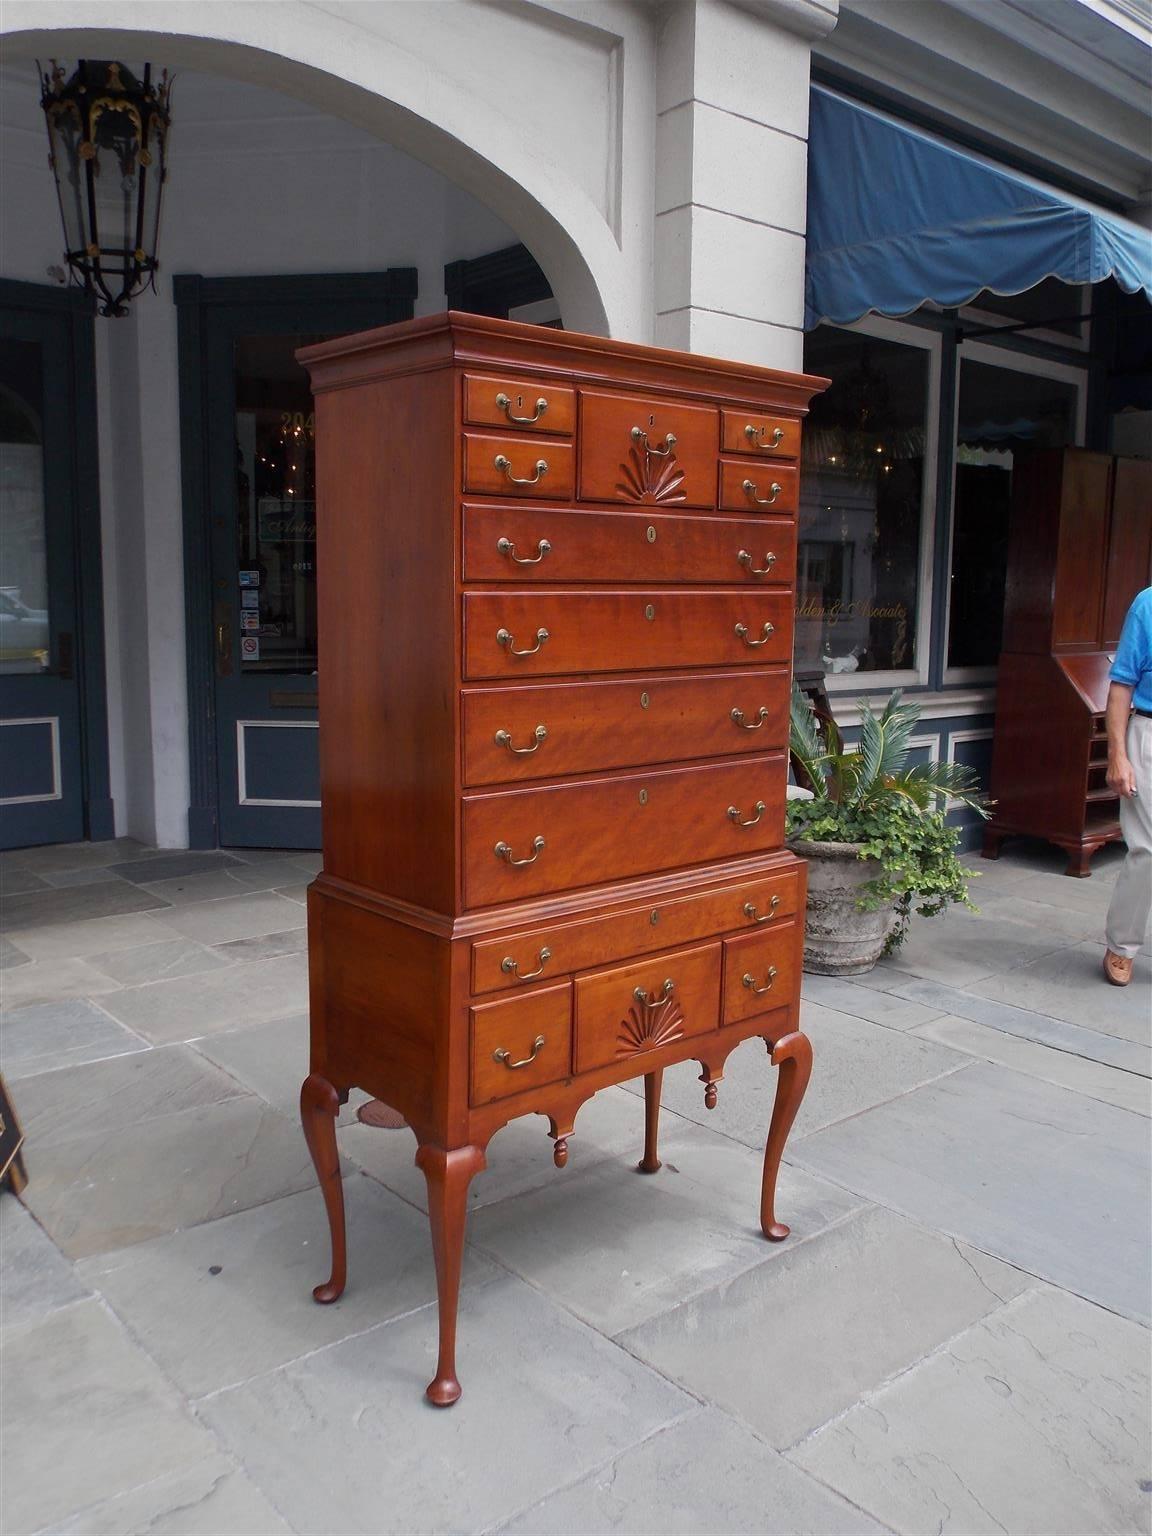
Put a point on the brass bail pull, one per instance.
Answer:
(766, 633)
(754, 725)
(654, 999)
(504, 465)
(504, 403)
(504, 739)
(511, 967)
(762, 501)
(503, 851)
(749, 981)
(640, 436)
(513, 1066)
(507, 639)
(745, 560)
(543, 547)
(751, 912)
(755, 436)
(757, 811)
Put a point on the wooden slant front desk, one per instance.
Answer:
(555, 588)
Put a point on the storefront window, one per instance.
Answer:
(1003, 413)
(861, 508)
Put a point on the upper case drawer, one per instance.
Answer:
(528, 405)
(512, 959)
(627, 452)
(537, 633)
(548, 544)
(764, 436)
(517, 466)
(521, 1042)
(760, 971)
(527, 841)
(540, 732)
(630, 1011)
(748, 487)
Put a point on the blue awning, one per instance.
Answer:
(896, 218)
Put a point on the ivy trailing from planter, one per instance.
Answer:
(872, 796)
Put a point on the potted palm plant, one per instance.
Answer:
(873, 832)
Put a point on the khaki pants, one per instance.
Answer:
(1132, 899)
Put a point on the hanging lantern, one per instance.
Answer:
(107, 135)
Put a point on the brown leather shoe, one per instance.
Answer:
(1117, 969)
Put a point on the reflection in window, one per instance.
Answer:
(1002, 414)
(24, 626)
(861, 502)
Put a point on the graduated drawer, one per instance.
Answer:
(517, 466)
(548, 729)
(746, 487)
(512, 960)
(764, 437)
(635, 1009)
(759, 971)
(552, 545)
(521, 1042)
(626, 453)
(598, 830)
(527, 405)
(531, 632)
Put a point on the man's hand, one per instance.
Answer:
(1121, 776)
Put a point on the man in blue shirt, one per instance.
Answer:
(1129, 721)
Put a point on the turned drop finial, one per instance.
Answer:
(560, 1151)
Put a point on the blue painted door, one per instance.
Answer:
(41, 760)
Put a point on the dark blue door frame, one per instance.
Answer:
(64, 319)
(211, 312)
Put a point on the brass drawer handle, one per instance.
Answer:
(513, 1066)
(765, 634)
(745, 560)
(762, 715)
(504, 403)
(510, 967)
(504, 739)
(504, 464)
(654, 1000)
(750, 492)
(506, 638)
(758, 810)
(503, 851)
(543, 547)
(750, 981)
(640, 436)
(753, 434)
(750, 911)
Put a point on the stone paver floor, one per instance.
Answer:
(954, 1339)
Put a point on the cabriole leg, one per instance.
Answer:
(448, 1175)
(650, 1162)
(793, 1055)
(319, 1106)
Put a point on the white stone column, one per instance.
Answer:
(731, 175)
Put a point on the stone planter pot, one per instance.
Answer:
(839, 938)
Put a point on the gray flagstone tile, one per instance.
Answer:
(111, 898)
(58, 856)
(65, 877)
(545, 1401)
(114, 1097)
(98, 935)
(41, 1037)
(11, 956)
(14, 881)
(53, 980)
(232, 1299)
(191, 1006)
(157, 962)
(169, 866)
(233, 917)
(960, 946)
(791, 1343)
(265, 946)
(703, 1473)
(213, 1498)
(1071, 986)
(95, 1418)
(109, 1189)
(844, 996)
(1046, 1179)
(1035, 1419)
(616, 1246)
(35, 1277)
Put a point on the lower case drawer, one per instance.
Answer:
(635, 1009)
(760, 972)
(521, 1042)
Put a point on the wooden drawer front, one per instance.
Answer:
(527, 405)
(759, 972)
(679, 996)
(616, 464)
(551, 545)
(536, 633)
(536, 1033)
(765, 437)
(505, 962)
(748, 487)
(542, 731)
(510, 466)
(599, 830)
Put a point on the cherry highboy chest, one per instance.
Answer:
(556, 597)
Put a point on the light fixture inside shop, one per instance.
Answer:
(107, 135)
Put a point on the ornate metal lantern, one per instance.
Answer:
(107, 134)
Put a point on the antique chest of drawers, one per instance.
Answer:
(555, 588)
